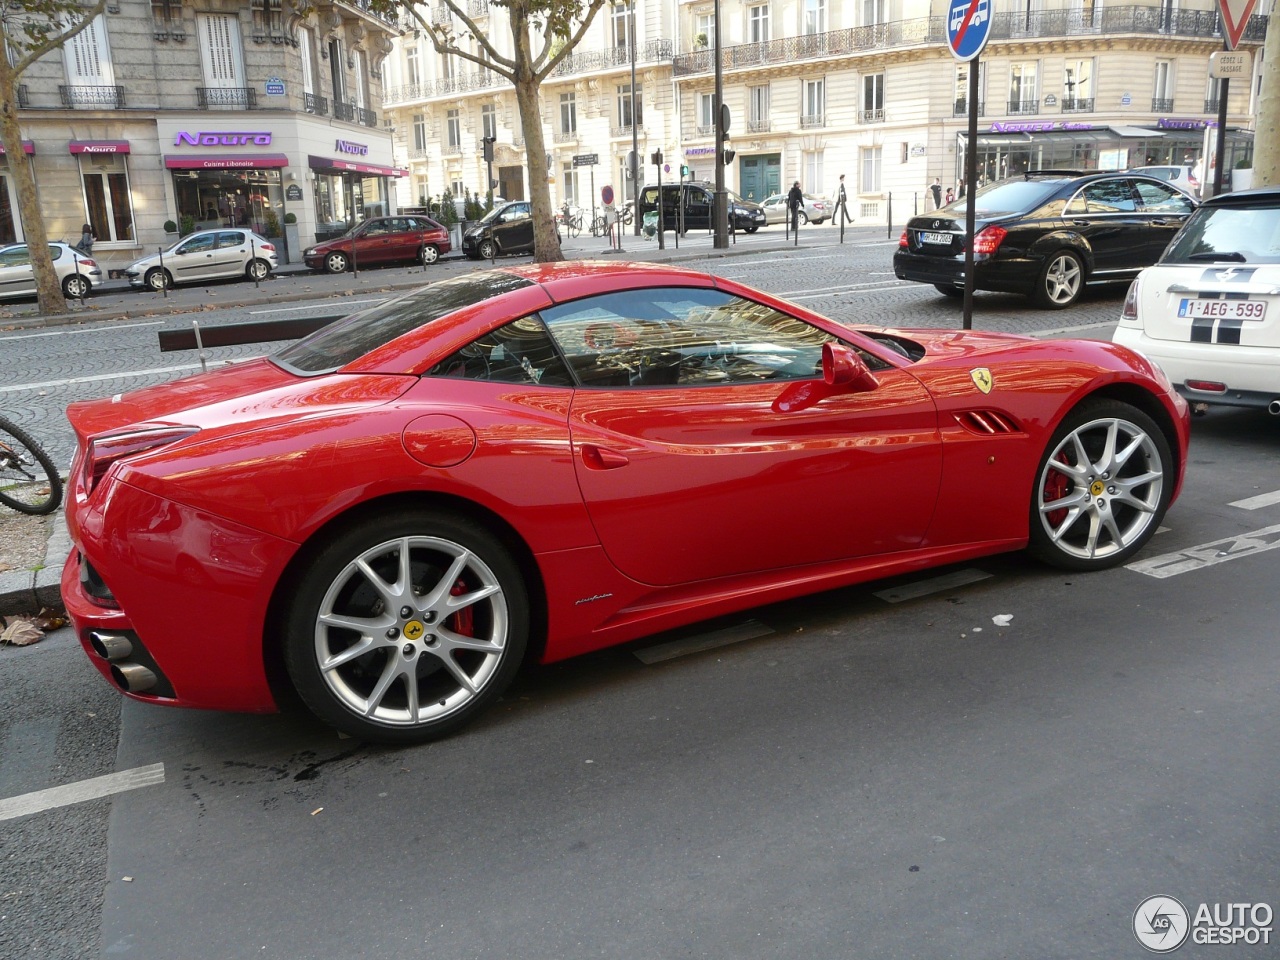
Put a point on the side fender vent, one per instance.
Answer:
(987, 422)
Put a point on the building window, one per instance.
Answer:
(870, 182)
(1077, 85)
(758, 110)
(873, 12)
(489, 121)
(412, 65)
(108, 204)
(569, 175)
(624, 105)
(568, 113)
(872, 98)
(706, 114)
(812, 178)
(458, 189)
(620, 22)
(454, 124)
(1024, 94)
(814, 106)
(337, 72)
(1162, 97)
(758, 23)
(962, 88)
(815, 16)
(704, 25)
(446, 67)
(361, 80)
(221, 56)
(266, 17)
(419, 133)
(422, 189)
(305, 47)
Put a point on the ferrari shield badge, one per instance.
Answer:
(981, 378)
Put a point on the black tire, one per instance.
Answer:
(488, 249)
(803, 218)
(335, 261)
(1098, 512)
(949, 291)
(436, 641)
(75, 287)
(158, 279)
(751, 227)
(257, 269)
(429, 254)
(1061, 281)
(29, 482)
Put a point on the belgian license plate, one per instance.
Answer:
(1223, 309)
(940, 238)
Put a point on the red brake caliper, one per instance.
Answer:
(463, 622)
(1056, 485)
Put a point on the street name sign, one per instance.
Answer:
(585, 159)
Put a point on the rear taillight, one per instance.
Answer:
(988, 240)
(106, 451)
(270, 247)
(902, 240)
(1129, 315)
(88, 263)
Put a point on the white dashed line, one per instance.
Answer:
(1204, 555)
(102, 376)
(1254, 503)
(112, 783)
(112, 328)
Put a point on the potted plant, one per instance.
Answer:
(270, 224)
(170, 227)
(1242, 175)
(700, 41)
(188, 224)
(292, 242)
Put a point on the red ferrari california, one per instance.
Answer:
(393, 513)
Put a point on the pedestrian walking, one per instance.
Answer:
(85, 245)
(935, 188)
(795, 200)
(842, 205)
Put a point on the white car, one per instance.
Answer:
(1180, 175)
(1208, 312)
(814, 210)
(206, 255)
(77, 273)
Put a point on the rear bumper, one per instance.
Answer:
(1004, 276)
(1251, 375)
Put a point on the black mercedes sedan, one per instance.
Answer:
(1045, 234)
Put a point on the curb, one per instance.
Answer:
(26, 591)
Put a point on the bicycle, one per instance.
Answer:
(599, 226)
(572, 222)
(29, 482)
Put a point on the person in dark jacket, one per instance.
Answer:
(795, 200)
(85, 245)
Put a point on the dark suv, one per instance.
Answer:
(1046, 234)
(743, 214)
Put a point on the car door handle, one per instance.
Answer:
(602, 458)
(1081, 223)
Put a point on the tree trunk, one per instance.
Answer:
(546, 238)
(48, 291)
(1266, 135)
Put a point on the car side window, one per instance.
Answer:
(520, 352)
(398, 225)
(231, 238)
(682, 336)
(1108, 196)
(1157, 198)
(200, 244)
(15, 257)
(376, 229)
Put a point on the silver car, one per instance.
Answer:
(77, 273)
(206, 255)
(815, 209)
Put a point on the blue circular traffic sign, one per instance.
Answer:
(968, 27)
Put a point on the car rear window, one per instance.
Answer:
(1013, 196)
(1228, 234)
(347, 339)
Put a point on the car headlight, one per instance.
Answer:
(309, 252)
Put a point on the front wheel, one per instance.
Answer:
(336, 262)
(405, 627)
(949, 291)
(1060, 281)
(75, 287)
(803, 218)
(428, 254)
(257, 269)
(1102, 487)
(488, 249)
(751, 227)
(29, 482)
(158, 279)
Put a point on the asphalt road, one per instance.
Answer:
(883, 771)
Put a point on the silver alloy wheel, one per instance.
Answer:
(429, 253)
(1063, 278)
(157, 279)
(75, 287)
(411, 631)
(1100, 489)
(488, 249)
(336, 262)
(258, 269)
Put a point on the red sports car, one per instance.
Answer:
(394, 512)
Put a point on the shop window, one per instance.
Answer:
(8, 228)
(108, 203)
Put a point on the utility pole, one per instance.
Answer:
(720, 204)
(1266, 135)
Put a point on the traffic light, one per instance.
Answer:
(488, 148)
(684, 170)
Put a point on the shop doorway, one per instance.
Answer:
(760, 176)
(511, 183)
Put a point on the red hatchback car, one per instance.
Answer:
(393, 513)
(404, 239)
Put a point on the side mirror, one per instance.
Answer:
(842, 366)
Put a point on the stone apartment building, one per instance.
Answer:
(218, 114)
(819, 88)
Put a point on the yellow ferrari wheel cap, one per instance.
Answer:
(414, 629)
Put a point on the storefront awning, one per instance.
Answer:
(27, 147)
(98, 146)
(226, 161)
(351, 166)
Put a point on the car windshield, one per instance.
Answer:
(344, 340)
(492, 215)
(1229, 233)
(1010, 196)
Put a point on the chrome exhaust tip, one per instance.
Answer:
(132, 677)
(110, 646)
(1273, 408)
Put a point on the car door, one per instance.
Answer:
(231, 253)
(402, 240)
(697, 209)
(372, 243)
(193, 259)
(1165, 209)
(696, 460)
(514, 230)
(1105, 213)
(16, 276)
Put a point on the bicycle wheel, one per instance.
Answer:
(599, 227)
(575, 228)
(29, 482)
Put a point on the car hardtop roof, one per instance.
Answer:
(1265, 195)
(576, 269)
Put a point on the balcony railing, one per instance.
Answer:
(1161, 104)
(758, 126)
(1022, 108)
(314, 103)
(705, 130)
(366, 117)
(585, 61)
(451, 150)
(961, 108)
(344, 111)
(566, 136)
(1203, 24)
(102, 96)
(226, 98)
(1211, 106)
(871, 116)
(811, 121)
(1080, 105)
(625, 130)
(477, 8)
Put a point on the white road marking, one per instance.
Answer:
(1079, 328)
(831, 291)
(103, 376)
(836, 293)
(106, 328)
(922, 588)
(312, 307)
(112, 783)
(1204, 555)
(703, 641)
(1253, 503)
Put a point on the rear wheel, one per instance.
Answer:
(75, 287)
(1102, 487)
(1060, 281)
(429, 253)
(802, 217)
(949, 291)
(405, 627)
(257, 269)
(158, 279)
(335, 262)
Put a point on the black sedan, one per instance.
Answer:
(1046, 234)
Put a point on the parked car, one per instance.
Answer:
(503, 230)
(1180, 175)
(815, 209)
(77, 273)
(1046, 234)
(380, 240)
(698, 204)
(1209, 311)
(393, 512)
(206, 255)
